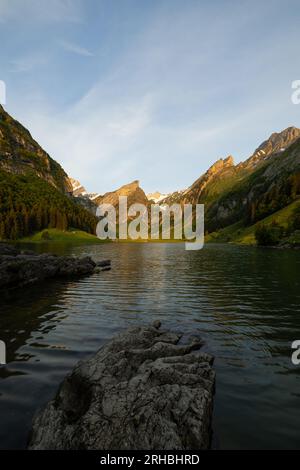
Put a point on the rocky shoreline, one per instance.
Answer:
(293, 246)
(20, 268)
(144, 389)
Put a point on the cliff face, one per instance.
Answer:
(222, 168)
(134, 194)
(223, 175)
(276, 143)
(34, 189)
(77, 188)
(21, 154)
(197, 192)
(266, 182)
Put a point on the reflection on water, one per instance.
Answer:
(245, 302)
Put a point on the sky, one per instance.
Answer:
(154, 90)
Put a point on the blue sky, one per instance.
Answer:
(118, 90)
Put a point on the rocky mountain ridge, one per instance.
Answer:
(224, 171)
(21, 154)
(156, 197)
(276, 143)
(35, 191)
(244, 193)
(194, 192)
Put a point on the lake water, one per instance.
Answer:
(243, 301)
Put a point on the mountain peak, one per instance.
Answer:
(277, 142)
(77, 188)
(156, 196)
(134, 193)
(131, 186)
(221, 164)
(229, 161)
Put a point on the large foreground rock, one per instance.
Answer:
(142, 390)
(21, 268)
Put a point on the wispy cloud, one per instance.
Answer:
(176, 90)
(96, 140)
(76, 49)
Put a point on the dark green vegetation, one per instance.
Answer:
(256, 201)
(34, 189)
(272, 186)
(269, 234)
(21, 154)
(28, 204)
(274, 233)
(264, 190)
(63, 236)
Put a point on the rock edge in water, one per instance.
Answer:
(142, 390)
(20, 268)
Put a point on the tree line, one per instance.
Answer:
(275, 198)
(29, 204)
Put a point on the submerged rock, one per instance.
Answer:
(21, 268)
(104, 263)
(99, 270)
(141, 390)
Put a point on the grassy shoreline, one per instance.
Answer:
(61, 236)
(245, 235)
(233, 234)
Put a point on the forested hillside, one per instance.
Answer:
(29, 204)
(269, 187)
(238, 197)
(20, 154)
(35, 191)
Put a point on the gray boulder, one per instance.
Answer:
(142, 390)
(22, 268)
(8, 250)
